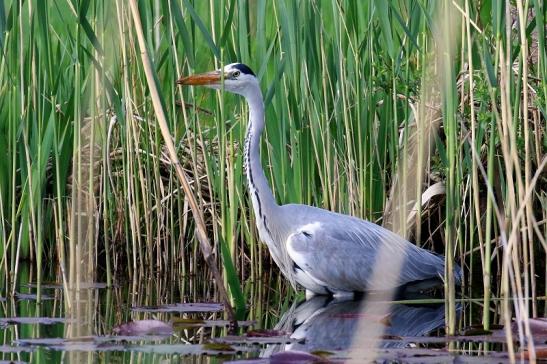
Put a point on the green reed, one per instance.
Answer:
(364, 113)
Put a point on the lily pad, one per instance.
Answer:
(540, 353)
(218, 346)
(181, 307)
(186, 323)
(188, 349)
(144, 327)
(32, 296)
(15, 349)
(88, 343)
(294, 356)
(32, 320)
(265, 333)
(322, 353)
(81, 285)
(475, 330)
(252, 340)
(46, 341)
(538, 325)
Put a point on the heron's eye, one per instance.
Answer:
(236, 74)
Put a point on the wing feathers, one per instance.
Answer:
(341, 253)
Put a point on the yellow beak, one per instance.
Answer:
(209, 78)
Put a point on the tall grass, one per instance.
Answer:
(349, 87)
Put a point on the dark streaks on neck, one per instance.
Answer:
(252, 187)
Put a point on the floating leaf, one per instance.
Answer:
(391, 337)
(322, 353)
(15, 349)
(218, 346)
(293, 356)
(46, 341)
(181, 307)
(250, 340)
(31, 296)
(540, 353)
(538, 328)
(475, 330)
(144, 327)
(182, 323)
(538, 325)
(265, 333)
(45, 285)
(32, 320)
(187, 321)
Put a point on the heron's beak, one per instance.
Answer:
(209, 78)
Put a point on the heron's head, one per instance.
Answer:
(238, 78)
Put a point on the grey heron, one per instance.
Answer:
(323, 251)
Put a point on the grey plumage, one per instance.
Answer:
(323, 251)
(341, 251)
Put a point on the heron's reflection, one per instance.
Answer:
(325, 324)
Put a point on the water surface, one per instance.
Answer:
(119, 324)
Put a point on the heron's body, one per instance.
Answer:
(323, 251)
(327, 252)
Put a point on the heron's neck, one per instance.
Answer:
(261, 194)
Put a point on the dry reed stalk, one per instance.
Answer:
(201, 232)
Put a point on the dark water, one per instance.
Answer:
(94, 323)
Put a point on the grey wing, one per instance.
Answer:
(349, 254)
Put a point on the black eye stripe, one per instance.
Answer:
(243, 68)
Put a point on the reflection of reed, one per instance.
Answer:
(80, 302)
(79, 266)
